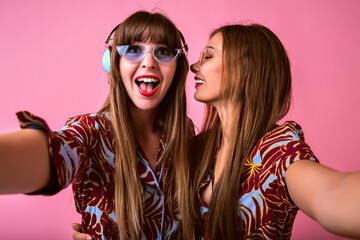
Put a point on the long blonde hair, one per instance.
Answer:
(257, 82)
(171, 120)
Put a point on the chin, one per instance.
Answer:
(199, 98)
(146, 107)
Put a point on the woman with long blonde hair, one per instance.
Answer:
(127, 163)
(252, 173)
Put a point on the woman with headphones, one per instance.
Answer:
(127, 163)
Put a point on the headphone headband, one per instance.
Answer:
(108, 37)
(186, 48)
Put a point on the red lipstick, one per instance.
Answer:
(198, 81)
(145, 83)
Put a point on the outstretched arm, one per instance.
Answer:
(24, 161)
(330, 197)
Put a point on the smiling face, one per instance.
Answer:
(208, 72)
(146, 82)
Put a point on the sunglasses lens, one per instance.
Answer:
(136, 53)
(163, 54)
(132, 52)
(203, 53)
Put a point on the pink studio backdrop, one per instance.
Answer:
(50, 64)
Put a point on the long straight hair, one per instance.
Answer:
(171, 121)
(257, 84)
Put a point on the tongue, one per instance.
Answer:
(146, 87)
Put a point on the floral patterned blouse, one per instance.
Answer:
(82, 155)
(265, 205)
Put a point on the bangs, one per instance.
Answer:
(157, 28)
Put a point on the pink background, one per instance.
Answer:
(50, 64)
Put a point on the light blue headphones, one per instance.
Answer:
(107, 54)
(106, 60)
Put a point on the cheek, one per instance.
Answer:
(122, 68)
(127, 69)
(217, 74)
(169, 72)
(213, 75)
(172, 68)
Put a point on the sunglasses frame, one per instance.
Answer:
(122, 49)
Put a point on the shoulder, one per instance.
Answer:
(281, 142)
(89, 118)
(90, 121)
(87, 127)
(285, 143)
(286, 132)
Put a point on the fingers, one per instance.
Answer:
(78, 235)
(81, 236)
(76, 226)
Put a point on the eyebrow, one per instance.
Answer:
(210, 47)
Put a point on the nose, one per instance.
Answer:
(148, 61)
(195, 67)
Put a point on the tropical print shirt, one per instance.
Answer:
(82, 155)
(265, 207)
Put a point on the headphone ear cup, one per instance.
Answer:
(106, 59)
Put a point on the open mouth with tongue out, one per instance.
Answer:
(147, 85)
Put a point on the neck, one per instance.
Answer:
(226, 119)
(144, 122)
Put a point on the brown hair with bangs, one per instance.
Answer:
(171, 120)
(256, 88)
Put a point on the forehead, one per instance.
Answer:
(216, 42)
(145, 37)
(153, 37)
